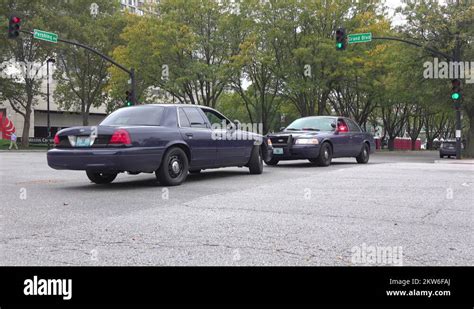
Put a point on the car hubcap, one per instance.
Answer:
(326, 154)
(175, 166)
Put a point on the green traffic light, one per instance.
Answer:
(455, 96)
(129, 103)
(339, 45)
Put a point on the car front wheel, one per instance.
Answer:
(325, 155)
(101, 178)
(174, 167)
(363, 156)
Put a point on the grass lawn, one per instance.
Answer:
(4, 144)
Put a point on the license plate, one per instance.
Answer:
(83, 141)
(278, 151)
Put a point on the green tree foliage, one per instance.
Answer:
(81, 75)
(449, 28)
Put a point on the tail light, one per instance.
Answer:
(56, 139)
(120, 136)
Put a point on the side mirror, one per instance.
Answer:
(282, 128)
(333, 125)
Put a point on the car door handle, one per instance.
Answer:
(190, 135)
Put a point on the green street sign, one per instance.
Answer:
(359, 37)
(45, 36)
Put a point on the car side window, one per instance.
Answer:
(194, 117)
(353, 127)
(214, 117)
(183, 119)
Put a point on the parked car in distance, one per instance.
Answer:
(448, 148)
(167, 139)
(320, 139)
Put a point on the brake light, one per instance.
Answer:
(56, 139)
(342, 128)
(120, 136)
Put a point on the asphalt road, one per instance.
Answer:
(292, 214)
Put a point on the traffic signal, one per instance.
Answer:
(128, 98)
(341, 39)
(456, 90)
(14, 27)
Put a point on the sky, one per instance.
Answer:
(392, 5)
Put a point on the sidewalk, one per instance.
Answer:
(454, 161)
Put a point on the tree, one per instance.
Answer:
(184, 50)
(81, 75)
(450, 29)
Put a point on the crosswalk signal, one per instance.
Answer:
(128, 98)
(341, 39)
(14, 27)
(456, 90)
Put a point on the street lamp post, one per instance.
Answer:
(50, 60)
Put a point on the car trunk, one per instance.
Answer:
(86, 137)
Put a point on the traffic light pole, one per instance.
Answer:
(130, 72)
(458, 111)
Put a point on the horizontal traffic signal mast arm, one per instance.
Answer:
(89, 49)
(434, 51)
(130, 72)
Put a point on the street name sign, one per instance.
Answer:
(45, 36)
(359, 37)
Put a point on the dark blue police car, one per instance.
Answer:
(167, 139)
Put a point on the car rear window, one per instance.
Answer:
(137, 116)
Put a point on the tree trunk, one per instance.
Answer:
(413, 144)
(429, 143)
(391, 143)
(26, 129)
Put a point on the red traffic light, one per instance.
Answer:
(14, 26)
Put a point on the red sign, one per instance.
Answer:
(6, 127)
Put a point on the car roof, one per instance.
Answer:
(174, 105)
(324, 116)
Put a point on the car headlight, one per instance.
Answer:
(307, 141)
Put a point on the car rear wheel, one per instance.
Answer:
(174, 167)
(363, 156)
(101, 178)
(272, 161)
(441, 156)
(256, 161)
(325, 155)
